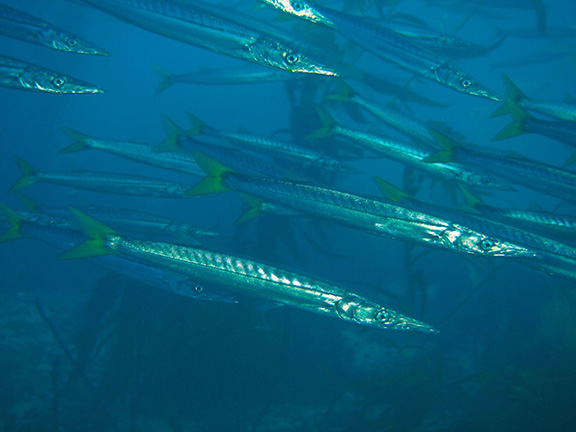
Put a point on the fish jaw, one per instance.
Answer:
(463, 239)
(364, 312)
(460, 81)
(484, 92)
(51, 82)
(69, 43)
(279, 56)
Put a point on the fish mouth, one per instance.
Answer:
(404, 323)
(94, 51)
(414, 325)
(517, 251)
(320, 70)
(488, 94)
(89, 90)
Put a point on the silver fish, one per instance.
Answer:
(17, 74)
(101, 182)
(186, 23)
(19, 25)
(243, 277)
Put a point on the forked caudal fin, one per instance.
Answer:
(27, 178)
(96, 245)
(15, 221)
(80, 141)
(216, 172)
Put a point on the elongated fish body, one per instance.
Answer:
(283, 150)
(553, 224)
(299, 155)
(386, 43)
(396, 119)
(493, 228)
(441, 43)
(373, 216)
(20, 75)
(246, 277)
(113, 183)
(127, 220)
(64, 238)
(176, 160)
(515, 97)
(146, 223)
(19, 25)
(239, 75)
(180, 21)
(531, 174)
(504, 231)
(558, 111)
(412, 155)
(261, 27)
(389, 44)
(562, 131)
(240, 161)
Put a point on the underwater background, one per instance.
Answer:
(83, 349)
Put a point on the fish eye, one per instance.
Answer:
(291, 58)
(58, 82)
(466, 83)
(382, 316)
(297, 6)
(487, 244)
(71, 42)
(198, 289)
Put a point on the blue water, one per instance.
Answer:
(142, 359)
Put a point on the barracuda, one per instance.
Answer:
(557, 111)
(392, 46)
(241, 75)
(19, 25)
(65, 236)
(443, 43)
(243, 277)
(384, 42)
(126, 220)
(368, 215)
(180, 21)
(101, 182)
(20, 75)
(280, 150)
(560, 130)
(497, 229)
(394, 118)
(409, 154)
(561, 226)
(534, 175)
(176, 160)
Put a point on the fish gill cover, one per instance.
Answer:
(287, 216)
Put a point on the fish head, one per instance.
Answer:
(464, 83)
(465, 240)
(279, 56)
(53, 82)
(70, 43)
(300, 8)
(365, 312)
